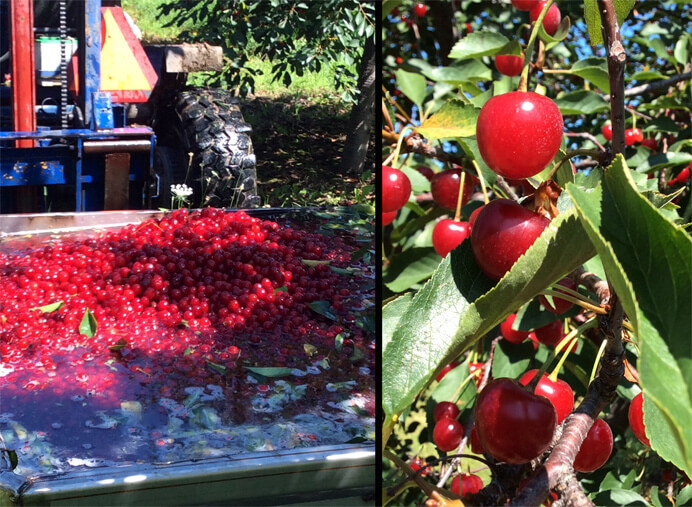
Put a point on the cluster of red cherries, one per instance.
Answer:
(171, 296)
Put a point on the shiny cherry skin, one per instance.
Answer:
(607, 131)
(559, 305)
(684, 175)
(420, 10)
(558, 392)
(509, 65)
(650, 143)
(513, 424)
(466, 484)
(445, 409)
(501, 234)
(417, 464)
(388, 218)
(596, 447)
(512, 335)
(524, 5)
(551, 20)
(447, 434)
(444, 187)
(426, 171)
(636, 417)
(519, 133)
(446, 370)
(550, 334)
(396, 189)
(633, 136)
(476, 445)
(448, 234)
(474, 214)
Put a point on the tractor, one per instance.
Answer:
(92, 120)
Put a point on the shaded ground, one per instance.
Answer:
(298, 143)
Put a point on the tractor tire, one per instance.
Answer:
(208, 131)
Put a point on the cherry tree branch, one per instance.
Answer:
(616, 72)
(656, 86)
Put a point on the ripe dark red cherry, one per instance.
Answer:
(445, 188)
(559, 305)
(596, 448)
(513, 424)
(446, 369)
(447, 434)
(501, 234)
(445, 409)
(607, 131)
(524, 5)
(650, 143)
(552, 17)
(466, 484)
(550, 334)
(474, 214)
(448, 234)
(684, 175)
(519, 133)
(426, 171)
(509, 65)
(633, 136)
(388, 218)
(417, 464)
(512, 335)
(636, 417)
(420, 10)
(396, 189)
(558, 392)
(476, 445)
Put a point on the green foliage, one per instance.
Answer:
(296, 37)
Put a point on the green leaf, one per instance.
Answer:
(122, 343)
(187, 351)
(270, 371)
(310, 262)
(338, 342)
(681, 51)
(560, 34)
(511, 360)
(470, 147)
(620, 497)
(581, 102)
(593, 18)
(412, 85)
(88, 325)
(477, 44)
(660, 160)
(454, 119)
(456, 307)
(645, 254)
(594, 70)
(50, 307)
(283, 288)
(218, 367)
(419, 183)
(532, 315)
(391, 314)
(323, 308)
(341, 271)
(410, 267)
(14, 461)
(663, 124)
(646, 75)
(685, 495)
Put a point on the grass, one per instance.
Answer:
(147, 17)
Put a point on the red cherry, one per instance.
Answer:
(501, 234)
(514, 425)
(445, 370)
(388, 218)
(550, 334)
(509, 65)
(683, 175)
(638, 135)
(444, 187)
(636, 417)
(396, 189)
(476, 445)
(558, 392)
(512, 335)
(466, 484)
(650, 143)
(596, 447)
(474, 214)
(607, 131)
(448, 234)
(426, 171)
(552, 17)
(420, 10)
(399, 61)
(666, 475)
(519, 133)
(524, 5)
(447, 434)
(633, 136)
(561, 305)
(445, 409)
(417, 464)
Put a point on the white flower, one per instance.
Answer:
(181, 190)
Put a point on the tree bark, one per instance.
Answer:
(360, 123)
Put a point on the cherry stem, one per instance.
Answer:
(561, 288)
(480, 177)
(569, 155)
(397, 150)
(457, 394)
(577, 301)
(566, 343)
(601, 350)
(460, 197)
(396, 105)
(524, 81)
(539, 374)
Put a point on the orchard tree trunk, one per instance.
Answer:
(361, 119)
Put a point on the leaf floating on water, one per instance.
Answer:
(218, 367)
(122, 342)
(309, 262)
(88, 325)
(49, 307)
(310, 350)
